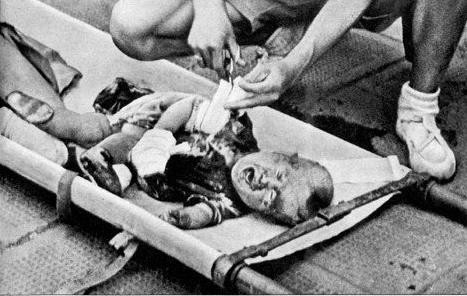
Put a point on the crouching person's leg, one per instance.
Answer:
(19, 75)
(432, 30)
(83, 129)
(151, 29)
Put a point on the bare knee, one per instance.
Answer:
(132, 34)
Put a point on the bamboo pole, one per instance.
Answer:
(131, 218)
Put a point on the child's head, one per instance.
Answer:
(289, 188)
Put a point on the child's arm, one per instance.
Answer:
(150, 155)
(178, 114)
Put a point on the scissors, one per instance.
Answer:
(229, 64)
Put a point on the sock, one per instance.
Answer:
(412, 104)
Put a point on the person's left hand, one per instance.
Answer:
(266, 82)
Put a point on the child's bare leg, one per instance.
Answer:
(98, 161)
(177, 115)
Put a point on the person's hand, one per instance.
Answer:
(211, 33)
(264, 84)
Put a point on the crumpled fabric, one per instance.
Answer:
(125, 102)
(29, 66)
(117, 95)
(47, 61)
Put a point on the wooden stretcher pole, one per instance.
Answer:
(129, 217)
(444, 201)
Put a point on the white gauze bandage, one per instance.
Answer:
(152, 152)
(200, 107)
(211, 116)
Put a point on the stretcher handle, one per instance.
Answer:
(227, 268)
(445, 202)
(450, 204)
(328, 216)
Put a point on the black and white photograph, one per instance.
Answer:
(211, 147)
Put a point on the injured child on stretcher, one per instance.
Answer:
(216, 168)
(164, 141)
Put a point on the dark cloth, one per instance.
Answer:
(117, 95)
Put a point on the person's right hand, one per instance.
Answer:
(211, 33)
(263, 85)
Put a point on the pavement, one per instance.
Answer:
(401, 249)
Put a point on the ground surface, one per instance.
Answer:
(401, 249)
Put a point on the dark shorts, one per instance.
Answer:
(259, 13)
(263, 16)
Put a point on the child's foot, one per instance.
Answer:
(96, 163)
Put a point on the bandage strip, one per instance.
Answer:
(151, 154)
(125, 244)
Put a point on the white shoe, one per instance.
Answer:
(416, 125)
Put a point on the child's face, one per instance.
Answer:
(288, 188)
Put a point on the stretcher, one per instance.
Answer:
(93, 53)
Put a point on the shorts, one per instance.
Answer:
(275, 12)
(264, 16)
